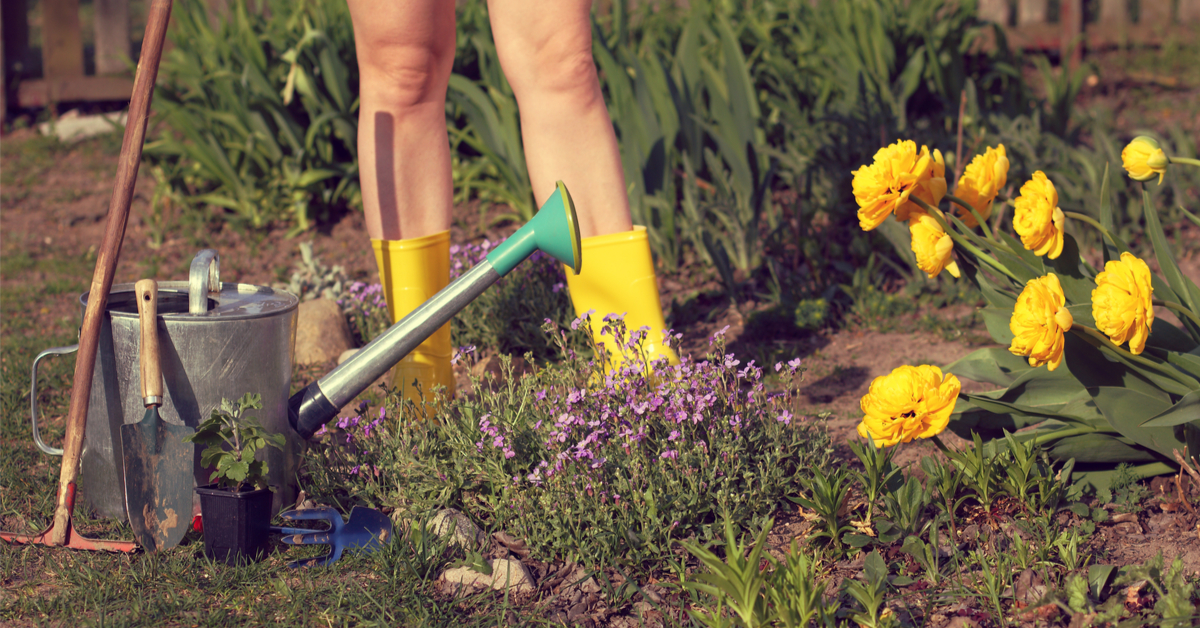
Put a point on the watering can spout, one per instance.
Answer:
(554, 230)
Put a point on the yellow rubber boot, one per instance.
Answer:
(411, 272)
(618, 278)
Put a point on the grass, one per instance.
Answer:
(965, 561)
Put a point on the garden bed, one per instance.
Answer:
(1009, 564)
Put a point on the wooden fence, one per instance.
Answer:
(1069, 26)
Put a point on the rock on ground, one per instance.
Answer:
(506, 573)
(322, 333)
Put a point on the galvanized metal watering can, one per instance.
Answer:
(221, 340)
(217, 341)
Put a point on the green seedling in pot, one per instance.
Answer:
(231, 439)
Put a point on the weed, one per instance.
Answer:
(827, 497)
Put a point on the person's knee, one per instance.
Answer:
(403, 74)
(556, 69)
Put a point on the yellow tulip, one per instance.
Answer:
(981, 182)
(1037, 217)
(910, 402)
(897, 173)
(1143, 158)
(932, 246)
(1122, 302)
(1039, 321)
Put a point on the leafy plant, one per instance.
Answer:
(879, 475)
(787, 593)
(1174, 606)
(259, 111)
(827, 497)
(870, 594)
(231, 439)
(609, 466)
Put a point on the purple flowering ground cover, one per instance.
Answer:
(595, 465)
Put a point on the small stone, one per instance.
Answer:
(575, 611)
(1128, 528)
(450, 521)
(322, 333)
(509, 573)
(346, 355)
(506, 574)
(1125, 517)
(1162, 522)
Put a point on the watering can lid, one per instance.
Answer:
(204, 296)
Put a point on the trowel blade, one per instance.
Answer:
(158, 480)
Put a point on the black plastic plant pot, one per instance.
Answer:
(236, 525)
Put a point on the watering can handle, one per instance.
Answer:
(33, 397)
(204, 276)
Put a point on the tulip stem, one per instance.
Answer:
(1178, 308)
(1093, 222)
(1184, 160)
(987, 230)
(966, 244)
(1099, 340)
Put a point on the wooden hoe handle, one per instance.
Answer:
(106, 263)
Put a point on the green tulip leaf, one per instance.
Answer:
(1076, 285)
(1184, 288)
(996, 320)
(1128, 409)
(1186, 410)
(993, 365)
(1164, 335)
(1099, 448)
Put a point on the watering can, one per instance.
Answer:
(221, 340)
(218, 340)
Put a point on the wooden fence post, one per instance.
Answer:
(1113, 11)
(1189, 11)
(1070, 16)
(112, 36)
(994, 11)
(1031, 12)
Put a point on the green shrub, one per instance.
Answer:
(600, 468)
(259, 113)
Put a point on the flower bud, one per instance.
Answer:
(1143, 158)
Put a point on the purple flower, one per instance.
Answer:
(669, 454)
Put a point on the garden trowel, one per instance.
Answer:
(158, 463)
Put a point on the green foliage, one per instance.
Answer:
(870, 594)
(827, 498)
(259, 112)
(1105, 405)
(1175, 593)
(879, 475)
(588, 466)
(786, 594)
(231, 439)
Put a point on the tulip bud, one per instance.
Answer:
(1143, 158)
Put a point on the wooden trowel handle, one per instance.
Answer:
(147, 305)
